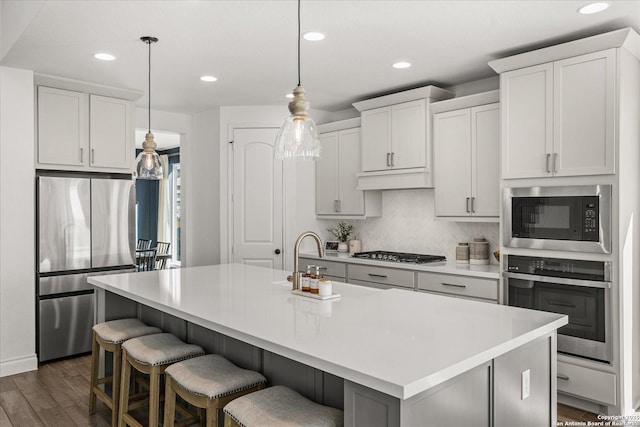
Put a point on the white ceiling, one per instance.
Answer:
(250, 46)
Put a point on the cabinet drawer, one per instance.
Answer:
(387, 276)
(458, 285)
(327, 268)
(587, 383)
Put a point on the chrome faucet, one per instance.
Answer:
(296, 251)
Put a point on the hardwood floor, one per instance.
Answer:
(57, 394)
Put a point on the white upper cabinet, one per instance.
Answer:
(583, 106)
(376, 131)
(337, 195)
(396, 139)
(466, 153)
(78, 130)
(110, 135)
(558, 117)
(62, 128)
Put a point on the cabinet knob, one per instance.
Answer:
(277, 251)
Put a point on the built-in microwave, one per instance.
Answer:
(568, 218)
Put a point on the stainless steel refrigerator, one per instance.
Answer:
(85, 226)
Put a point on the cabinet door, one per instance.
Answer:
(62, 127)
(584, 96)
(376, 139)
(110, 133)
(452, 168)
(327, 175)
(527, 121)
(351, 199)
(485, 152)
(408, 135)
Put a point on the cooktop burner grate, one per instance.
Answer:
(400, 257)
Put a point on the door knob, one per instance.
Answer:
(277, 251)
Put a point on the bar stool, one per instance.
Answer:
(208, 382)
(110, 336)
(279, 406)
(150, 355)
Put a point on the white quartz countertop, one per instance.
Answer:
(400, 343)
(489, 271)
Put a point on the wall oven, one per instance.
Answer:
(568, 218)
(580, 289)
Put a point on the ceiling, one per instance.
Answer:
(250, 46)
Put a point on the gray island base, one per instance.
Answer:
(387, 357)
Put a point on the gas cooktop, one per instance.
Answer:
(399, 257)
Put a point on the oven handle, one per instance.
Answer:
(557, 280)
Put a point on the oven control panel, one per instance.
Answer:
(590, 218)
(557, 267)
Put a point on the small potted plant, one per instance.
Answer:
(342, 231)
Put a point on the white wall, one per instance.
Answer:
(17, 219)
(199, 160)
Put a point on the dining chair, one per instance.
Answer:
(146, 259)
(143, 244)
(162, 249)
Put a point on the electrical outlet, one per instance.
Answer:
(525, 382)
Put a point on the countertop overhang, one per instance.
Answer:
(400, 343)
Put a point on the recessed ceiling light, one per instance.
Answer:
(289, 95)
(402, 64)
(208, 79)
(593, 8)
(313, 36)
(104, 56)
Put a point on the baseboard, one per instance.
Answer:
(18, 365)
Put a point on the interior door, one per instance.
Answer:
(257, 199)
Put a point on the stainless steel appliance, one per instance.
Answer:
(85, 226)
(580, 289)
(569, 218)
(399, 257)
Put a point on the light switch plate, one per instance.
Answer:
(525, 382)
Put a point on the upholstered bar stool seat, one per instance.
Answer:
(110, 336)
(208, 382)
(279, 406)
(150, 355)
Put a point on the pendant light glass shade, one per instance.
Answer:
(148, 164)
(298, 135)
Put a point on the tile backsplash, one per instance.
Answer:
(408, 224)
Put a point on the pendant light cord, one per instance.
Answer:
(149, 43)
(298, 42)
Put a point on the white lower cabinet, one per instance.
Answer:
(380, 277)
(459, 286)
(330, 269)
(587, 383)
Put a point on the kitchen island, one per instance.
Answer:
(403, 359)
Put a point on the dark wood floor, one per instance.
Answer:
(57, 394)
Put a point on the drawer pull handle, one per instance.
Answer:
(562, 377)
(378, 275)
(322, 268)
(454, 285)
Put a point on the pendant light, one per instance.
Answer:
(148, 165)
(298, 135)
